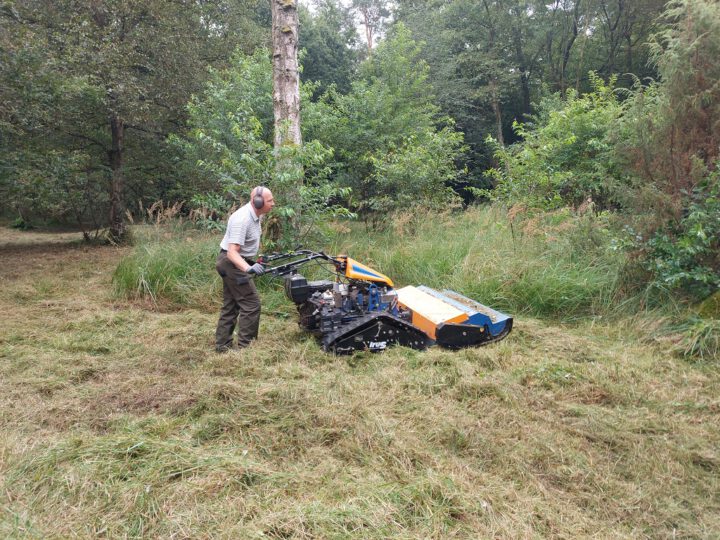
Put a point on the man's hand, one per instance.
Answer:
(256, 269)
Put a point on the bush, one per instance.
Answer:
(687, 254)
(392, 146)
(58, 186)
(671, 138)
(228, 152)
(566, 156)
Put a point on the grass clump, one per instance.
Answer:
(172, 270)
(699, 338)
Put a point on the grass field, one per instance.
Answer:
(119, 420)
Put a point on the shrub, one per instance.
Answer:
(392, 146)
(686, 254)
(228, 152)
(566, 156)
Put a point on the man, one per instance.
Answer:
(236, 266)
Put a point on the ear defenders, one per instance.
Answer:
(258, 199)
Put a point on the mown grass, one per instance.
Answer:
(121, 421)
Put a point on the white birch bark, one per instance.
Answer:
(286, 79)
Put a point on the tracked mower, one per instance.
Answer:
(360, 309)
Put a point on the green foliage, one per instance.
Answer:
(391, 145)
(208, 209)
(710, 307)
(490, 60)
(686, 55)
(421, 170)
(669, 137)
(228, 146)
(327, 39)
(72, 70)
(566, 155)
(687, 254)
(669, 134)
(59, 186)
(228, 151)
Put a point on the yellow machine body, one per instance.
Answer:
(428, 311)
(356, 270)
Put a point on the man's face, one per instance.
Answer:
(269, 202)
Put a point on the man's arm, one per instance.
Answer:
(235, 257)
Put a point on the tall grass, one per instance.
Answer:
(172, 268)
(554, 271)
(563, 269)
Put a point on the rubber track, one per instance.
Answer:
(328, 340)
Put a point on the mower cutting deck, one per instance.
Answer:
(361, 310)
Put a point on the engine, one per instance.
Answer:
(325, 306)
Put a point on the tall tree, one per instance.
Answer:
(491, 60)
(286, 78)
(392, 146)
(561, 35)
(373, 16)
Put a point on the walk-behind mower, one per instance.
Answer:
(361, 310)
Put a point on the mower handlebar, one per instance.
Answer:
(295, 259)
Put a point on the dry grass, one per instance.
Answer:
(120, 421)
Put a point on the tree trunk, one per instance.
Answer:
(568, 47)
(286, 103)
(525, 91)
(286, 81)
(497, 111)
(368, 29)
(118, 231)
(522, 72)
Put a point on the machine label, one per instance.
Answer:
(376, 345)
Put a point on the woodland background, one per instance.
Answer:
(111, 110)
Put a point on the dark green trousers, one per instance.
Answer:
(241, 306)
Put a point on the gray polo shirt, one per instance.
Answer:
(243, 228)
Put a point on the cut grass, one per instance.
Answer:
(122, 422)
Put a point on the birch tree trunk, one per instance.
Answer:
(286, 80)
